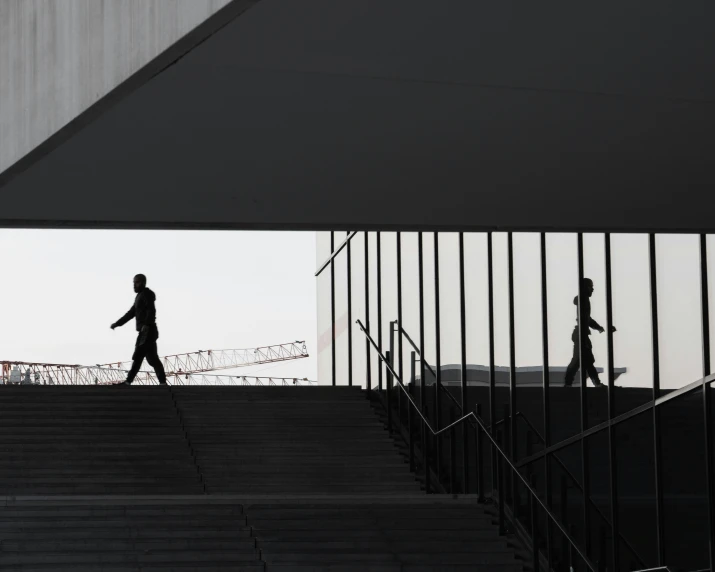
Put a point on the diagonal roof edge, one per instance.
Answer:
(154, 67)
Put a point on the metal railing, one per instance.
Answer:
(500, 250)
(396, 326)
(502, 458)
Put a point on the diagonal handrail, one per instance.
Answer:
(494, 444)
(417, 351)
(535, 431)
(337, 251)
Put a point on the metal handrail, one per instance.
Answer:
(335, 253)
(535, 431)
(496, 446)
(417, 351)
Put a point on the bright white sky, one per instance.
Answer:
(62, 289)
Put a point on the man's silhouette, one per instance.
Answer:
(591, 324)
(145, 313)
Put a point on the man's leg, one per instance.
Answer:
(591, 365)
(138, 358)
(152, 356)
(573, 366)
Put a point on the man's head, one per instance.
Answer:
(139, 283)
(587, 286)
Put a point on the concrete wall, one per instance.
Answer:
(58, 57)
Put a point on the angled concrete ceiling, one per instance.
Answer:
(59, 58)
(404, 114)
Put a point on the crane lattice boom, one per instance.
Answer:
(213, 360)
(62, 374)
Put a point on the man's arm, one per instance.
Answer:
(594, 325)
(124, 319)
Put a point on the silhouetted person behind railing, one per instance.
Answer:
(145, 313)
(591, 324)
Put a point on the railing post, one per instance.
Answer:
(388, 385)
(452, 454)
(368, 368)
(505, 445)
(480, 457)
(564, 516)
(534, 528)
(603, 556)
(529, 451)
(425, 454)
(410, 413)
(500, 484)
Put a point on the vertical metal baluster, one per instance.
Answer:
(423, 405)
(410, 413)
(420, 285)
(660, 546)
(480, 457)
(463, 354)
(452, 454)
(350, 315)
(583, 332)
(707, 405)
(512, 378)
(388, 392)
(534, 528)
(565, 518)
(507, 440)
(492, 373)
(500, 483)
(398, 238)
(379, 308)
(438, 358)
(613, 470)
(426, 452)
(367, 313)
(332, 305)
(546, 395)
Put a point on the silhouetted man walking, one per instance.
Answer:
(591, 324)
(145, 313)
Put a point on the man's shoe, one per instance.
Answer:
(123, 383)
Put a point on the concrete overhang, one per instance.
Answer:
(409, 114)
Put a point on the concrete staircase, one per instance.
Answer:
(270, 440)
(93, 440)
(126, 535)
(157, 479)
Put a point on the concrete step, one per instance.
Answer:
(130, 557)
(130, 533)
(41, 512)
(389, 535)
(151, 545)
(256, 566)
(396, 523)
(380, 545)
(93, 521)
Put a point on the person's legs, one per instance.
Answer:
(137, 358)
(575, 361)
(152, 356)
(591, 364)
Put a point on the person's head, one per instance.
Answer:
(587, 286)
(139, 283)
